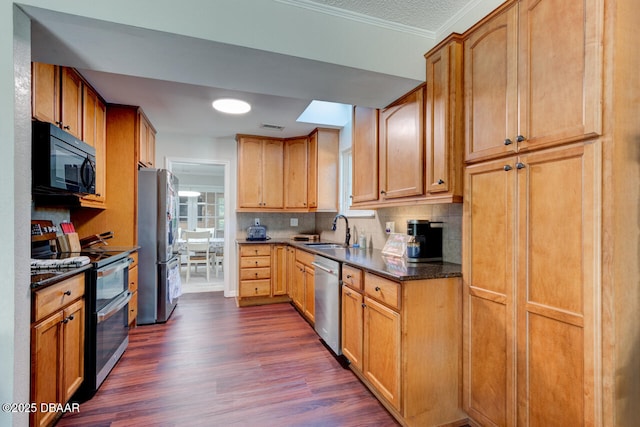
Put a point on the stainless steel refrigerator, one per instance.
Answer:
(159, 285)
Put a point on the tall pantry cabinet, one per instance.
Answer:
(547, 290)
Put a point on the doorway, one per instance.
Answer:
(203, 190)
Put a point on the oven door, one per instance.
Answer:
(111, 280)
(112, 334)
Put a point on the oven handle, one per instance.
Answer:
(120, 265)
(114, 306)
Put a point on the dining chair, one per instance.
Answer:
(198, 250)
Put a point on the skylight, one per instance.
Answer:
(326, 114)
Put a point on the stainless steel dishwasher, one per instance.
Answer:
(327, 302)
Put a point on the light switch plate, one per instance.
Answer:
(293, 222)
(256, 221)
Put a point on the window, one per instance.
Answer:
(346, 167)
(203, 211)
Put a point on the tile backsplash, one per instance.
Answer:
(279, 225)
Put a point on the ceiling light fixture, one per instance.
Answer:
(186, 193)
(231, 106)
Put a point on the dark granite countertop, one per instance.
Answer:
(43, 278)
(374, 261)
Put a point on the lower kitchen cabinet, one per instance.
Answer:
(303, 286)
(403, 341)
(261, 274)
(57, 346)
(133, 288)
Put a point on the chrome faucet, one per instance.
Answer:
(347, 237)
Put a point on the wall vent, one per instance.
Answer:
(271, 127)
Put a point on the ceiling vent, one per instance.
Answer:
(271, 127)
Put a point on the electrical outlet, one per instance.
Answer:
(293, 222)
(256, 221)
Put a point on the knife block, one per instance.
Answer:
(68, 243)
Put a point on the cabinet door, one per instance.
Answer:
(250, 173)
(272, 178)
(295, 166)
(491, 92)
(151, 147)
(352, 326)
(46, 366)
(309, 293)
(71, 96)
(89, 116)
(364, 155)
(558, 329)
(443, 123)
(489, 292)
(279, 270)
(312, 170)
(45, 103)
(94, 129)
(73, 348)
(143, 141)
(559, 70)
(402, 147)
(297, 294)
(382, 350)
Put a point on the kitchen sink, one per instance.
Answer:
(320, 245)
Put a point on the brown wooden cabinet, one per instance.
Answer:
(322, 177)
(444, 128)
(133, 288)
(57, 346)
(396, 336)
(296, 171)
(57, 96)
(364, 155)
(303, 286)
(401, 152)
(94, 133)
(260, 173)
(529, 306)
(533, 77)
(146, 141)
(262, 274)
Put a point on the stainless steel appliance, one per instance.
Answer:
(61, 163)
(257, 233)
(327, 301)
(428, 234)
(158, 265)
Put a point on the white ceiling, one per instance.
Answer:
(174, 78)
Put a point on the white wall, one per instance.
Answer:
(193, 149)
(15, 191)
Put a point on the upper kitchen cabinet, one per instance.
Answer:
(260, 173)
(146, 142)
(364, 149)
(401, 162)
(533, 77)
(281, 175)
(94, 133)
(295, 166)
(444, 121)
(57, 97)
(323, 161)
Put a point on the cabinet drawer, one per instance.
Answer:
(255, 288)
(133, 307)
(304, 257)
(134, 257)
(255, 261)
(255, 273)
(55, 297)
(383, 290)
(255, 250)
(352, 276)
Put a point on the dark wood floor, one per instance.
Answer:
(214, 364)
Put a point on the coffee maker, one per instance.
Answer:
(428, 235)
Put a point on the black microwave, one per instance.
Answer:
(61, 163)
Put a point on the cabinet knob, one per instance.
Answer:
(520, 138)
(377, 288)
(383, 192)
(440, 181)
(364, 305)
(66, 127)
(507, 168)
(349, 276)
(520, 165)
(67, 292)
(508, 141)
